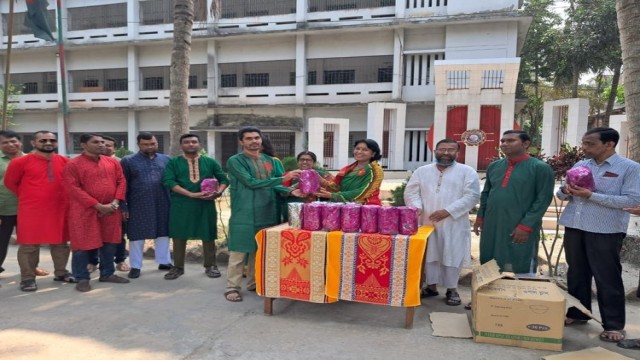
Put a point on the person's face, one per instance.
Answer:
(512, 145)
(46, 143)
(251, 141)
(149, 147)
(94, 146)
(305, 162)
(446, 153)
(10, 146)
(593, 147)
(362, 153)
(190, 145)
(109, 147)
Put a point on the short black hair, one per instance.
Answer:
(606, 134)
(521, 134)
(313, 156)
(84, 138)
(35, 134)
(447, 141)
(144, 136)
(9, 134)
(184, 136)
(372, 145)
(267, 147)
(248, 129)
(110, 138)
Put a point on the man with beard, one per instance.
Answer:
(193, 211)
(445, 192)
(147, 207)
(517, 192)
(254, 176)
(96, 186)
(36, 180)
(595, 224)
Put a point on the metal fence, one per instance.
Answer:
(153, 12)
(97, 17)
(259, 73)
(99, 80)
(19, 28)
(157, 77)
(250, 8)
(36, 83)
(334, 5)
(351, 70)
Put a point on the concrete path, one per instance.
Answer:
(188, 318)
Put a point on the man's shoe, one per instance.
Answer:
(174, 273)
(28, 285)
(41, 272)
(113, 278)
(165, 267)
(134, 273)
(67, 277)
(213, 272)
(83, 286)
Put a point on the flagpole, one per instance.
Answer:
(68, 141)
(7, 76)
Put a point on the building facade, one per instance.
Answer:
(313, 74)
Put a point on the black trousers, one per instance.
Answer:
(7, 224)
(592, 255)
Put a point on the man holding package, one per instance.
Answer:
(595, 224)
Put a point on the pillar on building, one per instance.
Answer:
(62, 135)
(132, 130)
(212, 72)
(133, 16)
(397, 121)
(212, 144)
(134, 74)
(301, 68)
(553, 124)
(619, 122)
(398, 61)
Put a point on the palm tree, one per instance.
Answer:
(629, 24)
(183, 15)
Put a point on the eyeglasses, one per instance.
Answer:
(305, 160)
(44, 141)
(449, 151)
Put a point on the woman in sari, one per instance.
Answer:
(360, 181)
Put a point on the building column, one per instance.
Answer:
(133, 18)
(396, 137)
(398, 60)
(375, 122)
(133, 74)
(211, 143)
(301, 68)
(299, 135)
(62, 135)
(132, 130)
(301, 10)
(212, 73)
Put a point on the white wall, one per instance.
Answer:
(30, 123)
(357, 115)
(350, 44)
(98, 121)
(419, 116)
(424, 39)
(32, 61)
(251, 50)
(96, 58)
(469, 7)
(481, 41)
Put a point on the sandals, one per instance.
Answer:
(453, 298)
(428, 292)
(630, 344)
(236, 298)
(571, 321)
(28, 285)
(67, 277)
(123, 266)
(612, 335)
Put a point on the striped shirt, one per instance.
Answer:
(617, 182)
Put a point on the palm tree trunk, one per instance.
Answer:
(629, 24)
(612, 95)
(183, 15)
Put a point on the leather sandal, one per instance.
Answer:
(237, 298)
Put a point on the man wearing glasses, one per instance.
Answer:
(36, 179)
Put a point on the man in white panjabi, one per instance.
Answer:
(445, 191)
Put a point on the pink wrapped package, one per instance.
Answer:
(408, 220)
(309, 181)
(351, 217)
(581, 176)
(388, 220)
(312, 216)
(209, 185)
(331, 220)
(369, 219)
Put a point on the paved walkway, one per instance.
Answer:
(188, 318)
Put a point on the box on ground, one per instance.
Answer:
(527, 313)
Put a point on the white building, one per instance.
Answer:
(313, 74)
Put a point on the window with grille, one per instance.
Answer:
(154, 83)
(258, 79)
(312, 78)
(385, 74)
(339, 76)
(30, 88)
(229, 80)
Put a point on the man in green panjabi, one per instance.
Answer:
(193, 212)
(253, 176)
(517, 191)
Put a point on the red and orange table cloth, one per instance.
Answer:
(323, 267)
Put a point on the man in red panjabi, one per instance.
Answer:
(96, 185)
(36, 179)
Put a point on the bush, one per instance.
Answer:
(397, 194)
(289, 163)
(122, 152)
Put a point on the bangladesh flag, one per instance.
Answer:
(37, 20)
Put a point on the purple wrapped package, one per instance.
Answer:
(312, 216)
(582, 177)
(388, 220)
(309, 181)
(408, 220)
(351, 217)
(369, 219)
(209, 185)
(331, 220)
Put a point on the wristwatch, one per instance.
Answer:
(115, 206)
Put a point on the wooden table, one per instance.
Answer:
(324, 267)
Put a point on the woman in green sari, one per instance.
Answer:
(358, 182)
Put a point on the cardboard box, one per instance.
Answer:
(526, 313)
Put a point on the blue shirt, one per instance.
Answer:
(617, 182)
